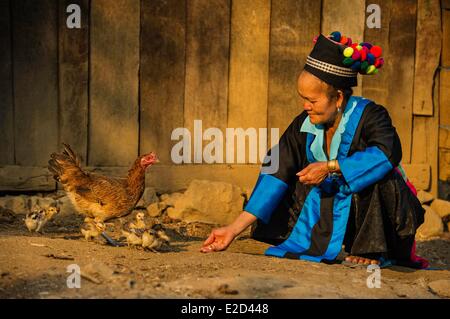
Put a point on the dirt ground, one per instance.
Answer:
(35, 266)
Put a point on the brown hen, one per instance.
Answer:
(97, 196)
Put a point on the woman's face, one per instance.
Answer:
(313, 91)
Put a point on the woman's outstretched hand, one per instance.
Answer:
(222, 237)
(219, 239)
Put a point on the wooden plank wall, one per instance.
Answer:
(444, 97)
(138, 69)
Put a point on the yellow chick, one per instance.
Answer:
(151, 241)
(140, 223)
(91, 230)
(132, 234)
(38, 217)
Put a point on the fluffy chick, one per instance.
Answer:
(38, 217)
(140, 223)
(91, 230)
(160, 232)
(132, 234)
(151, 241)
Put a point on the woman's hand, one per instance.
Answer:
(219, 239)
(313, 174)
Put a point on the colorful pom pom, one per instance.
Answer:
(370, 58)
(336, 36)
(376, 51)
(356, 66)
(349, 41)
(356, 55)
(358, 47)
(348, 61)
(363, 54)
(348, 52)
(343, 40)
(367, 45)
(364, 66)
(371, 69)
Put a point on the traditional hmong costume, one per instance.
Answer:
(369, 207)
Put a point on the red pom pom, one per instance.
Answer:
(356, 55)
(343, 39)
(363, 54)
(349, 41)
(376, 51)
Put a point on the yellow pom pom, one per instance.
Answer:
(348, 52)
(371, 69)
(358, 47)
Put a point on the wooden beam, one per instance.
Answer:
(23, 178)
(427, 57)
(6, 92)
(163, 31)
(114, 81)
(249, 64)
(348, 17)
(35, 61)
(73, 79)
(293, 26)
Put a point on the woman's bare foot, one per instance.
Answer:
(361, 260)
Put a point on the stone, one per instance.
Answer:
(432, 226)
(442, 207)
(170, 199)
(18, 204)
(441, 287)
(156, 209)
(208, 202)
(424, 197)
(148, 197)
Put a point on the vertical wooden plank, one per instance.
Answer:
(249, 64)
(376, 87)
(427, 56)
(426, 140)
(114, 78)
(348, 17)
(73, 78)
(35, 80)
(395, 85)
(6, 91)
(163, 29)
(445, 58)
(294, 24)
(207, 61)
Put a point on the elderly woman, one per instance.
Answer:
(339, 180)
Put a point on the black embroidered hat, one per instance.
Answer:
(326, 62)
(337, 61)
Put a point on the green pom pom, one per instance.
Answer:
(364, 66)
(348, 61)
